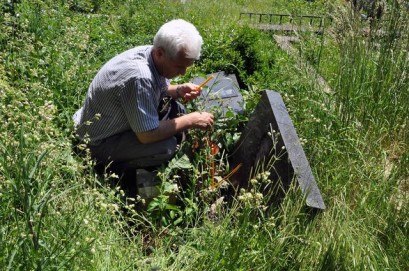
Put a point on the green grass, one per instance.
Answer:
(56, 214)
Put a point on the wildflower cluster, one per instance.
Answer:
(263, 177)
(250, 197)
(253, 197)
(19, 110)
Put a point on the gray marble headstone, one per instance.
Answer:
(256, 145)
(222, 92)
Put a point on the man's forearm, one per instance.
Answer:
(168, 128)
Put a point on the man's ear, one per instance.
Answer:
(160, 52)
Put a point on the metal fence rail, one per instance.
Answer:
(280, 19)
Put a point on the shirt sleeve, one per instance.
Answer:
(138, 103)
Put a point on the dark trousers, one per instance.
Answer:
(126, 150)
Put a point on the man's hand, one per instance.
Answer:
(187, 91)
(201, 120)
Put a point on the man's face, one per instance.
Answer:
(172, 67)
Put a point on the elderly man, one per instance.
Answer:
(119, 119)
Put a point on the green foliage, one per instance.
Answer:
(85, 6)
(246, 43)
(218, 55)
(163, 209)
(55, 214)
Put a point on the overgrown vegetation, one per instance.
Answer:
(56, 214)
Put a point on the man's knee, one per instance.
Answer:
(164, 151)
(167, 149)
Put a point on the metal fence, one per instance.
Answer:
(279, 19)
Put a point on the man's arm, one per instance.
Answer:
(168, 128)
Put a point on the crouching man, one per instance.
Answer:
(120, 118)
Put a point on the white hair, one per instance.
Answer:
(179, 36)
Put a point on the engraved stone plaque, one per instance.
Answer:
(222, 92)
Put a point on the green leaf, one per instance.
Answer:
(180, 163)
(178, 221)
(229, 114)
(172, 207)
(153, 205)
(172, 214)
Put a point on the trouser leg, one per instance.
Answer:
(123, 154)
(125, 148)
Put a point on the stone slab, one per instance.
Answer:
(222, 92)
(256, 145)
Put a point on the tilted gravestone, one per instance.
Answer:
(222, 92)
(270, 134)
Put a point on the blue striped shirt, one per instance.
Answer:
(124, 95)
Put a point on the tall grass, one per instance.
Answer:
(56, 214)
(372, 76)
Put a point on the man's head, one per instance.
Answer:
(176, 46)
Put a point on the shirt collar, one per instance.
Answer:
(161, 81)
